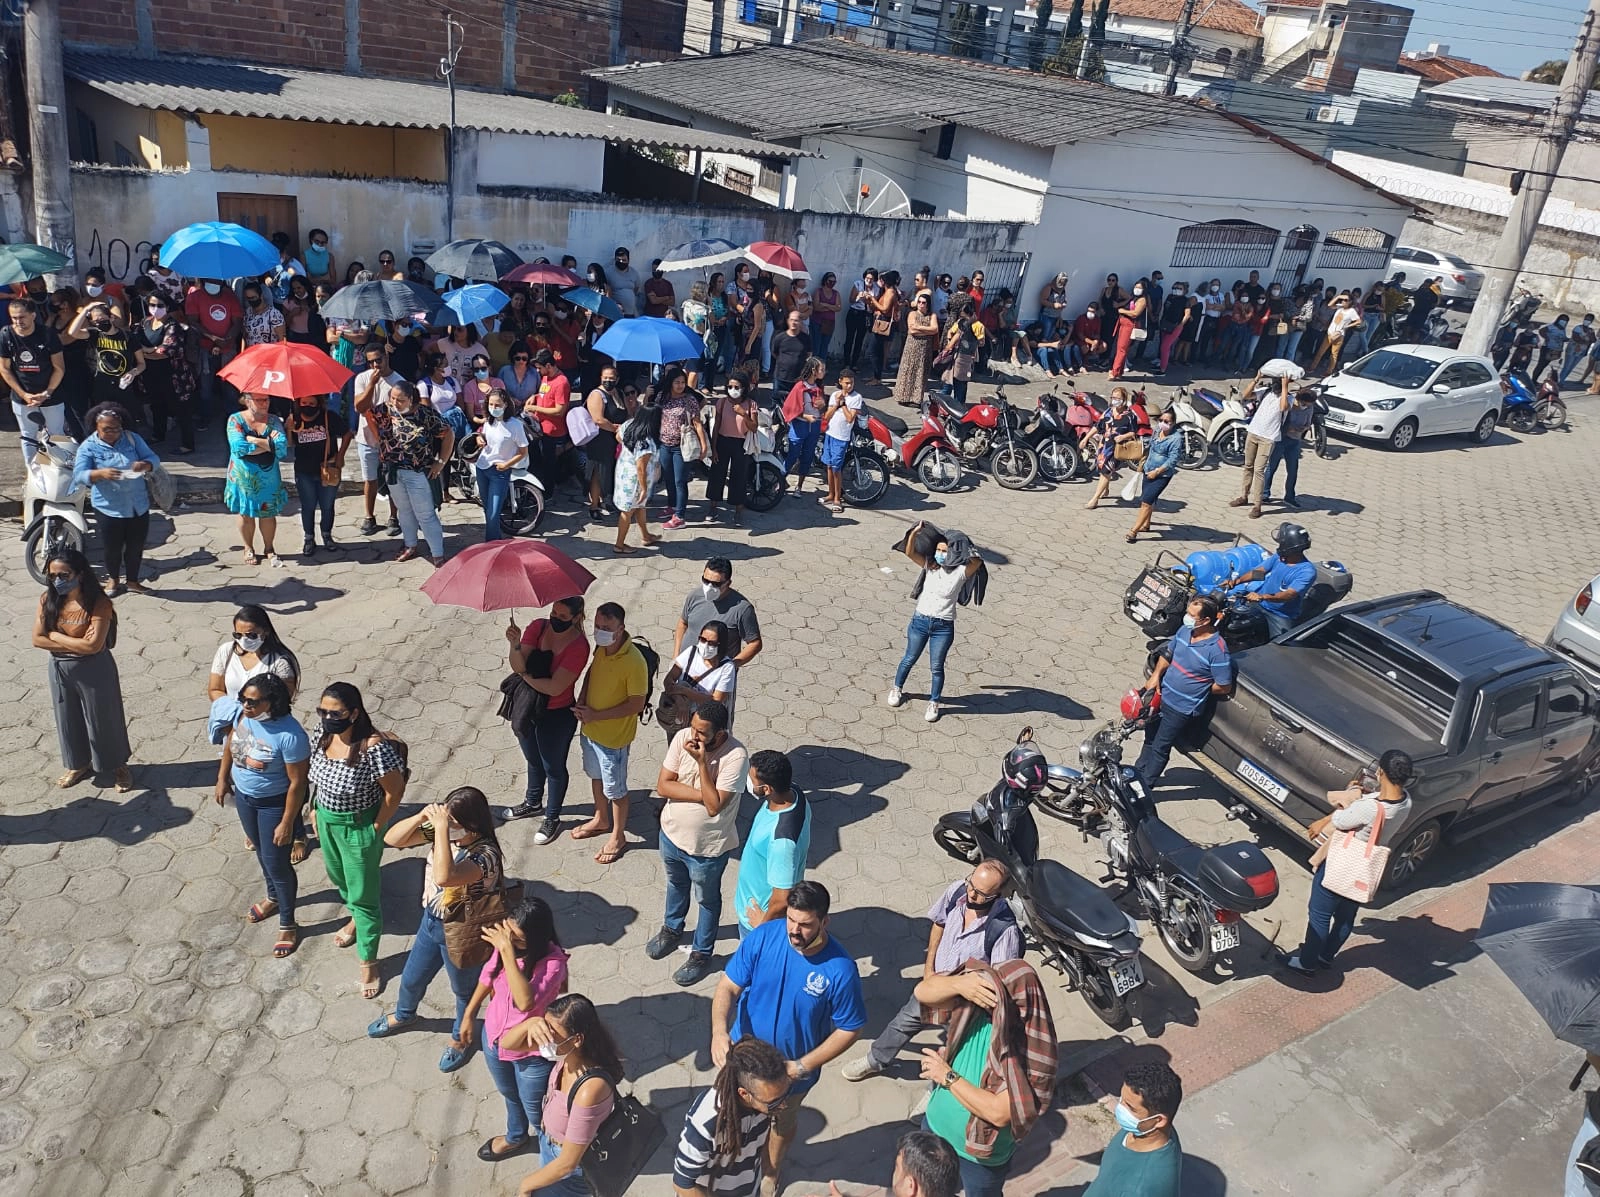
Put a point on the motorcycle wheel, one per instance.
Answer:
(866, 479)
(1188, 935)
(524, 508)
(958, 844)
(766, 487)
(939, 470)
(1014, 467)
(1196, 449)
(49, 535)
(1319, 439)
(1102, 997)
(1521, 419)
(1058, 459)
(1554, 416)
(1230, 445)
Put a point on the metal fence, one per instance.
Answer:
(1355, 249)
(1299, 243)
(1005, 269)
(1225, 244)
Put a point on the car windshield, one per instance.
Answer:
(1393, 369)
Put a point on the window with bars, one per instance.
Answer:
(741, 181)
(1225, 244)
(771, 179)
(1355, 249)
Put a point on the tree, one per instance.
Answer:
(1038, 39)
(1097, 28)
(1074, 21)
(966, 31)
(1551, 72)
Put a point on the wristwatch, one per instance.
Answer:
(951, 1077)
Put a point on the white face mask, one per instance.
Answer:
(95, 289)
(1216, 290)
(710, 589)
(735, 392)
(549, 1052)
(1138, 290)
(251, 644)
(604, 637)
(708, 651)
(213, 288)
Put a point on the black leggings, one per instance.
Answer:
(123, 540)
(162, 397)
(730, 471)
(855, 336)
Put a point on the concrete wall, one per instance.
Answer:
(1562, 266)
(521, 160)
(154, 139)
(1284, 28)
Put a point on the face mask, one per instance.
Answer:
(710, 589)
(158, 311)
(64, 585)
(604, 637)
(708, 651)
(103, 325)
(557, 624)
(252, 644)
(594, 277)
(1166, 429)
(497, 413)
(735, 392)
(1138, 290)
(550, 1052)
(480, 375)
(212, 288)
(307, 411)
(95, 289)
(1275, 292)
(1129, 1123)
(1216, 290)
(940, 556)
(403, 328)
(1188, 621)
(980, 907)
(334, 724)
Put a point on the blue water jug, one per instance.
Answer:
(1209, 569)
(1245, 557)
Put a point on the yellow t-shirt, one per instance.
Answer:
(613, 679)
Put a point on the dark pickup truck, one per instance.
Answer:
(1497, 725)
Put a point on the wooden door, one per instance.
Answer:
(265, 214)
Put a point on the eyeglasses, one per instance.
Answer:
(257, 701)
(242, 635)
(386, 261)
(767, 1107)
(974, 892)
(521, 357)
(713, 642)
(711, 581)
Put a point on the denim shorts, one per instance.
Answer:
(368, 456)
(833, 452)
(608, 766)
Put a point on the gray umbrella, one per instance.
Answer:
(1546, 939)
(474, 259)
(386, 300)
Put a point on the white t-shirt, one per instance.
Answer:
(709, 678)
(441, 394)
(625, 286)
(1267, 423)
(941, 589)
(380, 396)
(1343, 321)
(839, 423)
(235, 673)
(501, 440)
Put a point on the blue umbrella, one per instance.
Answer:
(600, 305)
(475, 301)
(217, 249)
(651, 339)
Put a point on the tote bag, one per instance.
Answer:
(1354, 868)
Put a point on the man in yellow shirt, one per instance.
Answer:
(608, 706)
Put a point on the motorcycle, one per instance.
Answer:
(54, 507)
(1071, 922)
(1195, 413)
(1193, 895)
(987, 432)
(1437, 330)
(1524, 409)
(767, 479)
(525, 504)
(866, 461)
(1522, 309)
(929, 454)
(1052, 438)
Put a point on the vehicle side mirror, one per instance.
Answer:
(1439, 388)
(36, 418)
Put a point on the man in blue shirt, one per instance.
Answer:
(798, 990)
(1280, 582)
(1192, 671)
(774, 858)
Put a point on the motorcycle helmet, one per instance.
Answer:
(1140, 704)
(1292, 537)
(1025, 769)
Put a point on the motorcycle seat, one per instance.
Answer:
(956, 407)
(1206, 404)
(1073, 902)
(1158, 841)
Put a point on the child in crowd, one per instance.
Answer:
(844, 405)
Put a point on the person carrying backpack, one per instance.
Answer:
(612, 699)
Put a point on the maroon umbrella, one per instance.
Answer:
(504, 574)
(542, 272)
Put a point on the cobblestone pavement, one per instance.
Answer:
(149, 1044)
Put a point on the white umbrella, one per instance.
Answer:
(697, 255)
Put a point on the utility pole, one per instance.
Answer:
(447, 68)
(47, 133)
(1528, 205)
(1180, 35)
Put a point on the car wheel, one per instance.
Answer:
(1485, 428)
(1404, 436)
(1409, 856)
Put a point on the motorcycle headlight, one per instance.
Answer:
(1385, 404)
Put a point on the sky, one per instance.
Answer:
(1511, 36)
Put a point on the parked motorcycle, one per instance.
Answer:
(54, 507)
(1071, 922)
(929, 454)
(767, 478)
(1437, 331)
(1193, 895)
(1526, 409)
(524, 505)
(987, 432)
(867, 460)
(1053, 439)
(1522, 309)
(1195, 412)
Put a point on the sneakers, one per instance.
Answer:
(673, 524)
(308, 549)
(932, 713)
(1291, 501)
(393, 528)
(328, 544)
(860, 1070)
(548, 830)
(663, 943)
(694, 968)
(1293, 963)
(368, 526)
(1240, 502)
(895, 698)
(520, 811)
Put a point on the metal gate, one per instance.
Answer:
(1298, 245)
(1005, 269)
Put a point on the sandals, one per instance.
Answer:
(1132, 538)
(72, 777)
(260, 912)
(248, 557)
(346, 936)
(609, 855)
(298, 851)
(122, 780)
(288, 941)
(371, 982)
(622, 550)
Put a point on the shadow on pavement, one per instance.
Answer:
(124, 822)
(287, 595)
(1016, 700)
(843, 787)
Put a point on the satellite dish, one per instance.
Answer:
(864, 191)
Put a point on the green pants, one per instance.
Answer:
(351, 850)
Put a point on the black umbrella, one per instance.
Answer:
(474, 259)
(1546, 939)
(386, 300)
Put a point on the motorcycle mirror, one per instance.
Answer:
(36, 418)
(1025, 735)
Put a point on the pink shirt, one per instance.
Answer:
(567, 1124)
(501, 1013)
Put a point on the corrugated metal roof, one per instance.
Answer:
(214, 86)
(1517, 93)
(833, 83)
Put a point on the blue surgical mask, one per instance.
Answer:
(496, 413)
(403, 327)
(940, 556)
(1127, 1121)
(1188, 621)
(64, 585)
(480, 375)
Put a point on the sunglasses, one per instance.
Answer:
(258, 701)
(713, 642)
(521, 357)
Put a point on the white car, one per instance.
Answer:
(1459, 282)
(1576, 635)
(1401, 392)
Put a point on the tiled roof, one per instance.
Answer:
(1227, 16)
(1443, 68)
(1293, 4)
(241, 89)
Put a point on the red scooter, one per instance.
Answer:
(1084, 414)
(928, 453)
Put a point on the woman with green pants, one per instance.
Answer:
(357, 781)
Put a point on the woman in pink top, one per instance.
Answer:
(526, 973)
(571, 1035)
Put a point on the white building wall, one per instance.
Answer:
(525, 160)
(1284, 28)
(1162, 31)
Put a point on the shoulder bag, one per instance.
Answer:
(580, 425)
(465, 921)
(1354, 869)
(627, 1139)
(331, 474)
(162, 488)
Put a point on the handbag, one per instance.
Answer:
(1281, 328)
(330, 472)
(881, 326)
(692, 446)
(1353, 870)
(1139, 334)
(627, 1139)
(581, 426)
(162, 488)
(465, 922)
(1128, 450)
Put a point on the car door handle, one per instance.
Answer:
(1281, 717)
(1495, 756)
(1552, 742)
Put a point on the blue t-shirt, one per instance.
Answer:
(260, 749)
(1282, 576)
(1194, 669)
(774, 855)
(791, 1000)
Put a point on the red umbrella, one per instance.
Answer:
(503, 574)
(778, 258)
(542, 272)
(285, 369)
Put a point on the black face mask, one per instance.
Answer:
(557, 624)
(333, 724)
(980, 907)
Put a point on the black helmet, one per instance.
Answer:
(1025, 769)
(1292, 537)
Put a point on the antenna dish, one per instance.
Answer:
(864, 191)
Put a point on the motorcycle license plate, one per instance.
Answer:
(1125, 976)
(1224, 936)
(1263, 781)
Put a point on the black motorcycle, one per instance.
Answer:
(1053, 441)
(1193, 895)
(1071, 922)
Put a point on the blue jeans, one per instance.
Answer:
(260, 818)
(979, 1180)
(1570, 358)
(494, 488)
(803, 436)
(1248, 350)
(1287, 450)
(1050, 359)
(546, 753)
(1291, 342)
(426, 958)
(1234, 337)
(1329, 922)
(568, 1186)
(820, 340)
(412, 498)
(1169, 727)
(1355, 344)
(314, 498)
(675, 478)
(923, 632)
(704, 875)
(522, 1083)
(1047, 322)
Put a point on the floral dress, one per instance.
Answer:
(628, 494)
(255, 484)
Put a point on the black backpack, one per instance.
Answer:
(652, 664)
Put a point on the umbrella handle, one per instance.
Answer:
(1577, 1078)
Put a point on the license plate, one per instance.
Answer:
(1224, 936)
(1335, 418)
(1126, 975)
(1263, 781)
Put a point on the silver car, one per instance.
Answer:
(1459, 283)
(1577, 632)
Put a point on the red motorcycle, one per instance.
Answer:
(1085, 413)
(928, 453)
(990, 430)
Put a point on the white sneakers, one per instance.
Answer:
(895, 697)
(859, 1070)
(932, 713)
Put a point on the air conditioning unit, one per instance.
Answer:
(1327, 113)
(1153, 89)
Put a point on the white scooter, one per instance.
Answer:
(1208, 422)
(524, 505)
(767, 480)
(53, 508)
